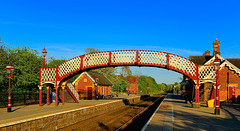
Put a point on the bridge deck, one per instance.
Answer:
(175, 114)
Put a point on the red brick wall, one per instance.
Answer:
(83, 83)
(233, 79)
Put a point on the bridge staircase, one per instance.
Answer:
(201, 95)
(72, 91)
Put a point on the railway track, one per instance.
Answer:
(129, 117)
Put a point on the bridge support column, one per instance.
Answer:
(48, 95)
(56, 97)
(40, 96)
(63, 87)
(196, 104)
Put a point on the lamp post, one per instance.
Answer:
(44, 53)
(217, 98)
(128, 88)
(117, 87)
(96, 89)
(9, 69)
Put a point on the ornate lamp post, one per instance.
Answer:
(117, 87)
(128, 88)
(44, 53)
(9, 69)
(147, 88)
(96, 89)
(217, 98)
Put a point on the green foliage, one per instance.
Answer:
(122, 85)
(142, 84)
(52, 62)
(26, 63)
(91, 50)
(4, 54)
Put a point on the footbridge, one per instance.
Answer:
(60, 75)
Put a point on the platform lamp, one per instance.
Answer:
(96, 89)
(117, 87)
(44, 53)
(217, 98)
(9, 69)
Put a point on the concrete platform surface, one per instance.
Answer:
(175, 114)
(20, 113)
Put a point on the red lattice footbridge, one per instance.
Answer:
(74, 66)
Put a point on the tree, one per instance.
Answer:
(91, 50)
(137, 73)
(126, 71)
(27, 63)
(52, 62)
(4, 54)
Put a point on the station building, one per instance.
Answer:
(229, 77)
(133, 85)
(85, 84)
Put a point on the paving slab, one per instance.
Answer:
(175, 114)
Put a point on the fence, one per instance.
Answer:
(18, 99)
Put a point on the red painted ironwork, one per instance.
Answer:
(40, 96)
(9, 93)
(48, 90)
(110, 58)
(167, 60)
(137, 57)
(71, 93)
(63, 95)
(120, 58)
(56, 96)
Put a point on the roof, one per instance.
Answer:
(102, 80)
(199, 60)
(225, 62)
(235, 62)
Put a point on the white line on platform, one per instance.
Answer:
(145, 126)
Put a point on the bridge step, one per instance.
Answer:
(72, 91)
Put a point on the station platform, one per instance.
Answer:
(175, 114)
(24, 113)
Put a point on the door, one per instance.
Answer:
(232, 94)
(89, 93)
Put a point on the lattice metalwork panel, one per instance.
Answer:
(48, 74)
(126, 56)
(95, 59)
(69, 66)
(182, 64)
(152, 57)
(206, 72)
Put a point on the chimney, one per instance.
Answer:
(216, 47)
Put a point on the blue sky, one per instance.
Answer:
(65, 28)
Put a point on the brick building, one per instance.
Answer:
(229, 77)
(85, 85)
(133, 83)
